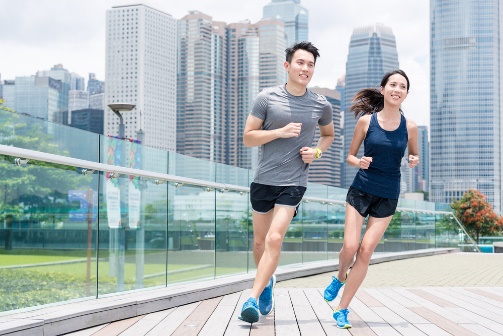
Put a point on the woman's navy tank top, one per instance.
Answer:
(386, 148)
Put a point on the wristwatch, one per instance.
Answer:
(318, 153)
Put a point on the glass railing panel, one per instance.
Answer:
(291, 250)
(187, 166)
(425, 230)
(35, 134)
(314, 231)
(316, 190)
(337, 194)
(446, 233)
(230, 239)
(335, 229)
(48, 216)
(190, 257)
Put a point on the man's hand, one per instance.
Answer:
(291, 130)
(308, 154)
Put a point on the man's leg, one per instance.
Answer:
(282, 216)
(261, 225)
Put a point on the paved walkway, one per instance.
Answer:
(452, 294)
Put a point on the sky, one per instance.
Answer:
(37, 34)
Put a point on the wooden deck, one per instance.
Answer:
(437, 311)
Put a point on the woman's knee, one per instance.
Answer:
(274, 240)
(365, 252)
(349, 249)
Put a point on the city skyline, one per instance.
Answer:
(80, 46)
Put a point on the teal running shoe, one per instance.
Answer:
(333, 289)
(266, 299)
(341, 316)
(249, 312)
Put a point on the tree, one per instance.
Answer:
(477, 215)
(38, 189)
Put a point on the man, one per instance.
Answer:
(282, 122)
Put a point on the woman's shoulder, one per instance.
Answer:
(411, 123)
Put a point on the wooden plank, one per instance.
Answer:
(367, 299)
(284, 315)
(432, 298)
(173, 320)
(477, 307)
(118, 327)
(306, 318)
(324, 313)
(383, 329)
(265, 327)
(397, 297)
(367, 314)
(431, 329)
(237, 327)
(446, 313)
(480, 295)
(87, 332)
(396, 307)
(397, 322)
(218, 321)
(143, 326)
(442, 322)
(480, 330)
(360, 327)
(479, 319)
(196, 320)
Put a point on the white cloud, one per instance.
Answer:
(44, 33)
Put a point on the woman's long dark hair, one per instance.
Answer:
(369, 101)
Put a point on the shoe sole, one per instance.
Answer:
(272, 294)
(346, 326)
(249, 315)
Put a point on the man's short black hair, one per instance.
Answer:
(307, 46)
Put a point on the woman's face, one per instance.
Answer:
(395, 90)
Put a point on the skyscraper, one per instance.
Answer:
(327, 169)
(95, 86)
(201, 87)
(466, 114)
(295, 17)
(141, 60)
(256, 53)
(372, 53)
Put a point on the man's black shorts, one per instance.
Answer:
(263, 197)
(367, 204)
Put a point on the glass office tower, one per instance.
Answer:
(465, 116)
(295, 17)
(372, 53)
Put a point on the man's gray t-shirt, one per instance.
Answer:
(280, 162)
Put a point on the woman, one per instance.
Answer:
(386, 133)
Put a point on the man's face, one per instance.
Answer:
(301, 69)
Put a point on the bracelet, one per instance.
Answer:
(318, 153)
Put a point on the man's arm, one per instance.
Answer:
(326, 138)
(254, 136)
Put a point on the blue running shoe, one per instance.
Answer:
(333, 289)
(249, 312)
(266, 299)
(341, 316)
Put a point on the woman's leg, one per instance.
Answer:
(352, 232)
(373, 234)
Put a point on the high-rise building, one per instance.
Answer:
(58, 72)
(422, 171)
(88, 120)
(97, 101)
(295, 17)
(465, 104)
(327, 169)
(234, 62)
(202, 83)
(372, 53)
(38, 96)
(94, 85)
(77, 100)
(77, 82)
(141, 58)
(256, 53)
